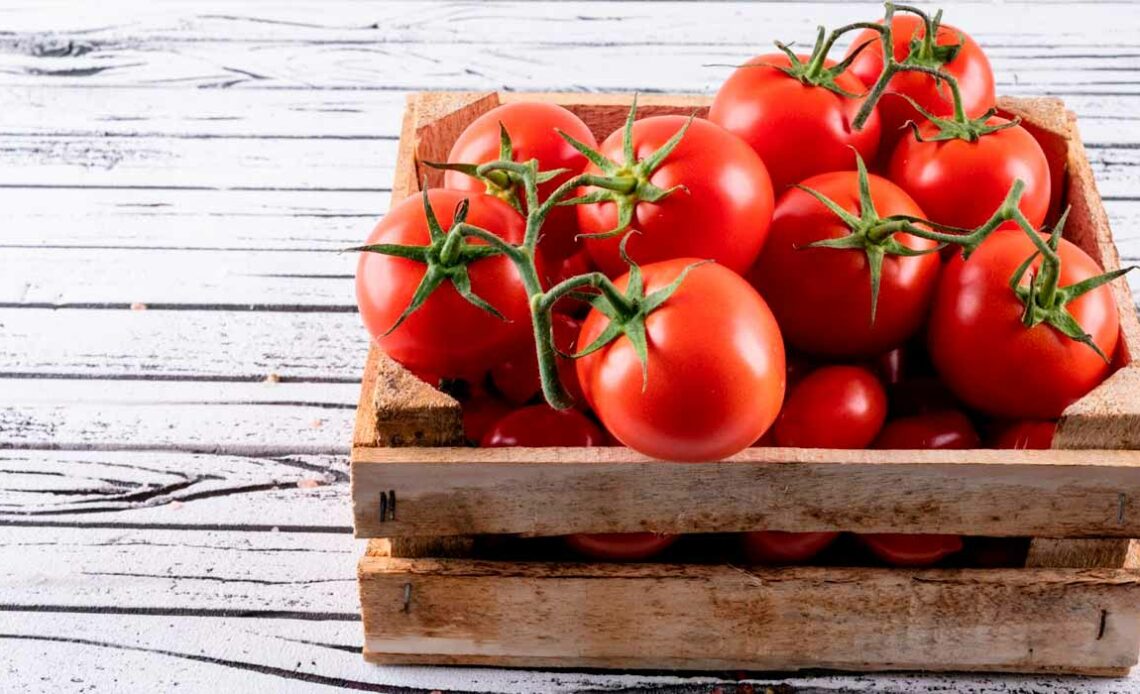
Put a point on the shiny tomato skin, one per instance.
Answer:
(986, 355)
(447, 336)
(620, 546)
(970, 67)
(716, 368)
(798, 130)
(533, 127)
(833, 407)
(480, 414)
(774, 547)
(517, 378)
(912, 550)
(542, 426)
(723, 216)
(946, 430)
(822, 296)
(1026, 434)
(963, 183)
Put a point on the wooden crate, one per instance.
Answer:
(1074, 607)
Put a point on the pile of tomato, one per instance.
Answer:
(841, 254)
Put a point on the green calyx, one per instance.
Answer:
(968, 129)
(925, 50)
(814, 71)
(446, 256)
(1044, 300)
(869, 233)
(626, 312)
(624, 183)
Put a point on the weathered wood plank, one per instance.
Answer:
(238, 417)
(169, 489)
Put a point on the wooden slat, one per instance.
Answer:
(558, 491)
(724, 617)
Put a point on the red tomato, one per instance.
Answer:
(833, 407)
(912, 550)
(774, 547)
(970, 68)
(480, 414)
(620, 546)
(517, 378)
(963, 183)
(542, 426)
(798, 129)
(1027, 434)
(915, 396)
(715, 368)
(533, 128)
(822, 296)
(722, 214)
(987, 356)
(935, 430)
(578, 264)
(447, 336)
(892, 366)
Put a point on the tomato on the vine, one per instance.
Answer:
(822, 297)
(912, 550)
(542, 426)
(714, 376)
(775, 547)
(533, 129)
(967, 64)
(798, 126)
(960, 183)
(719, 206)
(832, 407)
(517, 378)
(990, 359)
(1026, 434)
(945, 430)
(448, 335)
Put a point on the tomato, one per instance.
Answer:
(798, 129)
(990, 359)
(912, 550)
(822, 296)
(715, 367)
(962, 183)
(577, 264)
(620, 546)
(969, 67)
(722, 214)
(945, 430)
(479, 414)
(533, 128)
(892, 366)
(448, 336)
(542, 426)
(517, 378)
(833, 407)
(924, 395)
(774, 547)
(1027, 434)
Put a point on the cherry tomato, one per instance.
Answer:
(541, 426)
(479, 414)
(912, 550)
(722, 214)
(970, 68)
(833, 407)
(822, 296)
(1027, 434)
(774, 547)
(715, 367)
(987, 356)
(798, 129)
(620, 546)
(533, 128)
(447, 336)
(935, 430)
(517, 378)
(963, 183)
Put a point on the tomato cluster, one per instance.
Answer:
(841, 254)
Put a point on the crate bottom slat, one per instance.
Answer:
(721, 617)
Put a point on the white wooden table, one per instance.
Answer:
(175, 181)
